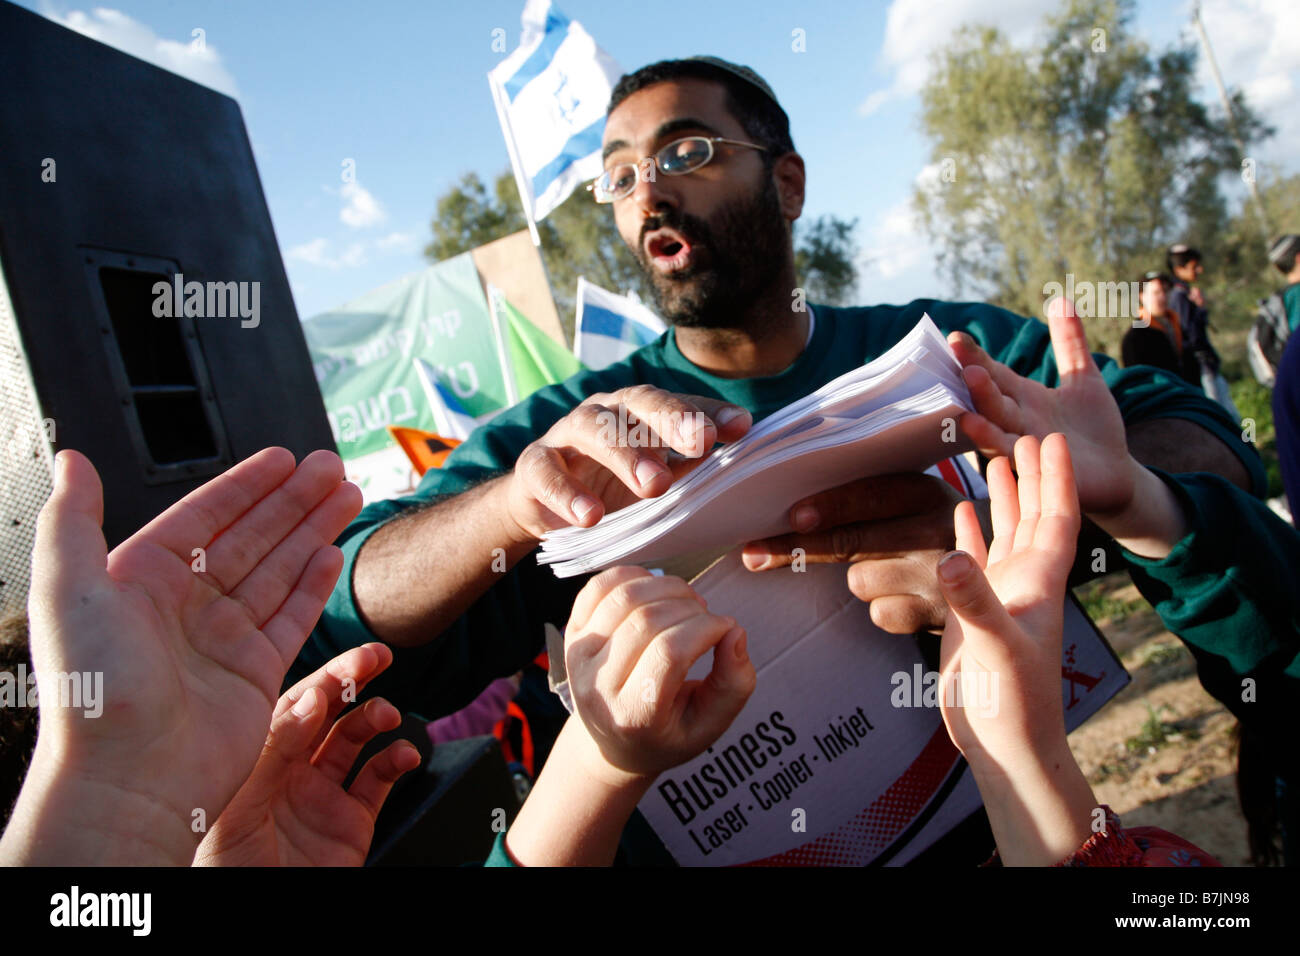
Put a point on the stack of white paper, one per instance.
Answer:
(887, 416)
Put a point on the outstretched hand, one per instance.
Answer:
(293, 810)
(1081, 407)
(630, 643)
(189, 625)
(1002, 650)
(1002, 642)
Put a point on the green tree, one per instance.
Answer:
(824, 259)
(1084, 153)
(579, 238)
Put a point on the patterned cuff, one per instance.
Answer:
(1110, 847)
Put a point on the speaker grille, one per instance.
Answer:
(26, 463)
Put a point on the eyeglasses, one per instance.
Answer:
(676, 159)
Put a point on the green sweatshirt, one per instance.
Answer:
(1225, 589)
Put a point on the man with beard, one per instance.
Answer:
(705, 186)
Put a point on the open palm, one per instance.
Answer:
(192, 622)
(1002, 641)
(293, 810)
(1082, 408)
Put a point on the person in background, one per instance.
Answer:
(1188, 303)
(1156, 338)
(1268, 787)
(1284, 254)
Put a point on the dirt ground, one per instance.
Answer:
(1161, 753)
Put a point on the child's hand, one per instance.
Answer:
(1002, 647)
(630, 642)
(1002, 643)
(293, 810)
(188, 628)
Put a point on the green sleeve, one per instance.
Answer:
(1291, 301)
(1227, 588)
(499, 856)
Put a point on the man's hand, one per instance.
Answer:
(629, 644)
(293, 810)
(190, 625)
(611, 451)
(892, 530)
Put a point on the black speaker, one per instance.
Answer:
(145, 315)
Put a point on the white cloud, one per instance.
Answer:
(360, 208)
(397, 242)
(317, 253)
(914, 29)
(194, 58)
(895, 243)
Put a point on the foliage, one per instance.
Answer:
(1098, 600)
(1254, 401)
(824, 259)
(1083, 154)
(1154, 732)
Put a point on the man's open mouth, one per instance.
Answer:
(668, 250)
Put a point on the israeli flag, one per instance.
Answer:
(452, 421)
(551, 95)
(611, 327)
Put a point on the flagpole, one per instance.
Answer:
(577, 320)
(1232, 120)
(503, 353)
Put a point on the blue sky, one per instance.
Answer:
(401, 89)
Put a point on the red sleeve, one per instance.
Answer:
(1140, 846)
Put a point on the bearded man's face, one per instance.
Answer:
(712, 241)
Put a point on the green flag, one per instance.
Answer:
(535, 358)
(363, 354)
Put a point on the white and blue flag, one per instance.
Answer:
(451, 419)
(551, 94)
(611, 327)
